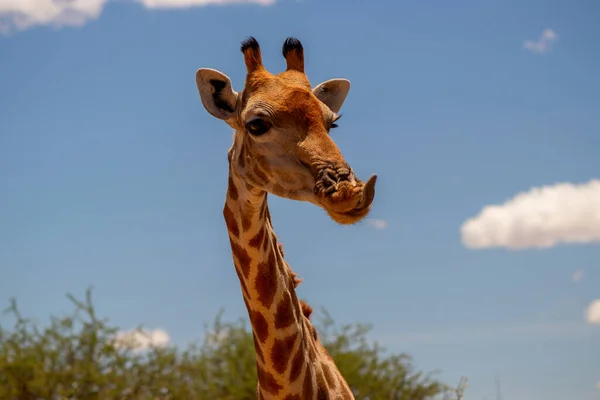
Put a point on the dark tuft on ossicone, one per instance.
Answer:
(292, 44)
(252, 56)
(250, 43)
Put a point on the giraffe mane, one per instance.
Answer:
(306, 309)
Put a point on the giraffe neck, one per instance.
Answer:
(291, 363)
(267, 286)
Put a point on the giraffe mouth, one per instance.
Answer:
(348, 201)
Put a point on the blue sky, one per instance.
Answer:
(112, 174)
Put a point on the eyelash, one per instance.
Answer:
(334, 125)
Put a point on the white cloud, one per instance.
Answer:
(577, 275)
(195, 3)
(544, 42)
(592, 314)
(377, 223)
(540, 218)
(142, 339)
(22, 14)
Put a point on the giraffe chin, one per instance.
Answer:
(348, 218)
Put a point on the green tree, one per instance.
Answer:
(80, 357)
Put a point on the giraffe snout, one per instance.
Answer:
(338, 188)
(346, 198)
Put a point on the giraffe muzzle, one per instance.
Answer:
(346, 199)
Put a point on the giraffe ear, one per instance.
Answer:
(216, 93)
(333, 93)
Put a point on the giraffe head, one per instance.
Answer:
(281, 142)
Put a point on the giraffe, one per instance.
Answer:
(281, 145)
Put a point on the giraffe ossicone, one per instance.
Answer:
(281, 145)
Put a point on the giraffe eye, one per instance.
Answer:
(258, 126)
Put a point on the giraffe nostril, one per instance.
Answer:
(332, 178)
(344, 174)
(327, 183)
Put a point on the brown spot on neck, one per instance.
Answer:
(281, 353)
(307, 385)
(284, 316)
(232, 190)
(260, 325)
(296, 366)
(266, 281)
(230, 221)
(241, 258)
(267, 381)
(258, 239)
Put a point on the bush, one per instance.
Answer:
(82, 357)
